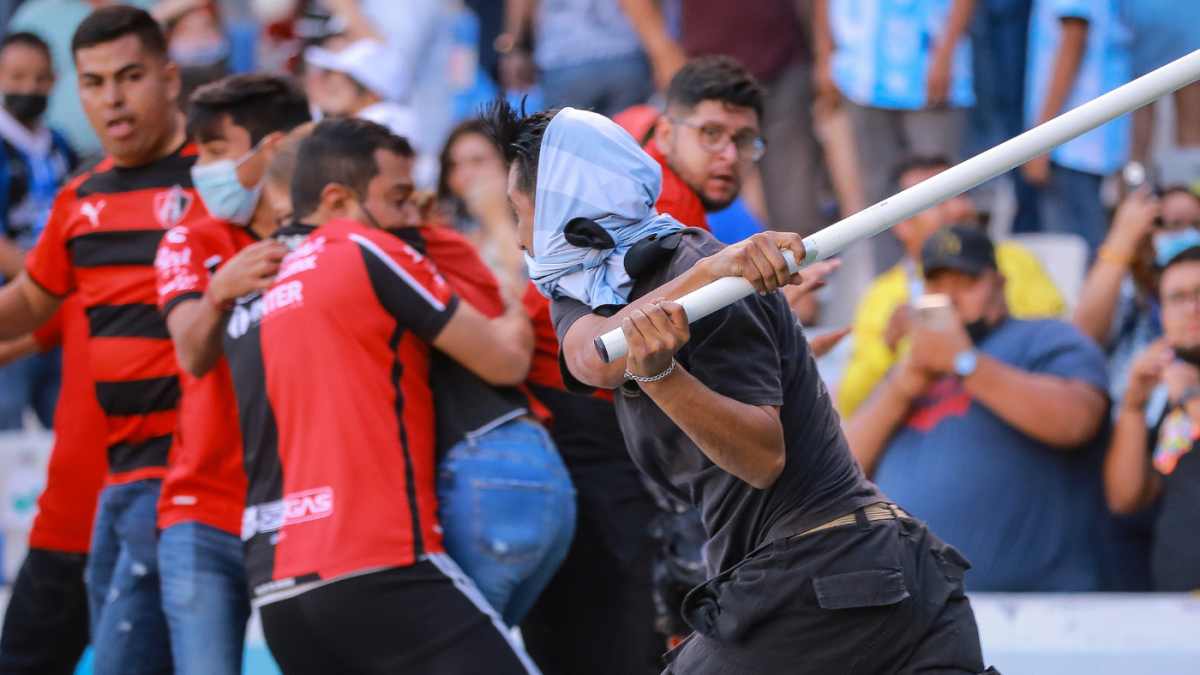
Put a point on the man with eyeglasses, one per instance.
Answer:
(707, 138)
(1151, 458)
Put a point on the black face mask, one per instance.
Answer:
(979, 330)
(25, 107)
(1189, 355)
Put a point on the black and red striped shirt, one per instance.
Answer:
(100, 240)
(345, 335)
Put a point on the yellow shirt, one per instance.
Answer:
(1029, 292)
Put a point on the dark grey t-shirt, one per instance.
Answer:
(754, 352)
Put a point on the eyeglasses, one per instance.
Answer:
(715, 138)
(1182, 299)
(1181, 224)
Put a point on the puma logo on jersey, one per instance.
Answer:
(300, 507)
(92, 211)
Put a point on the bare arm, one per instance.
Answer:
(1066, 68)
(756, 259)
(745, 440)
(943, 53)
(24, 307)
(11, 350)
(1131, 483)
(1102, 290)
(498, 350)
(666, 55)
(12, 260)
(1056, 411)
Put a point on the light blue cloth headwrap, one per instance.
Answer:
(591, 168)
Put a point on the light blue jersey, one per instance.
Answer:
(1106, 66)
(884, 49)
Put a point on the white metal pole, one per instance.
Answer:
(949, 183)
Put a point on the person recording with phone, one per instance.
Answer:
(991, 429)
(1119, 307)
(1151, 460)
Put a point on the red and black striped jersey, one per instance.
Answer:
(345, 336)
(206, 482)
(100, 240)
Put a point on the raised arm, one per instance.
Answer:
(1102, 290)
(756, 259)
(1131, 483)
(25, 306)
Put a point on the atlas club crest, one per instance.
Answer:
(172, 205)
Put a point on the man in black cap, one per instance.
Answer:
(992, 429)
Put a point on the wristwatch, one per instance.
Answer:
(965, 362)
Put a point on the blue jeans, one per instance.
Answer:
(30, 382)
(607, 87)
(507, 510)
(204, 597)
(1071, 205)
(129, 630)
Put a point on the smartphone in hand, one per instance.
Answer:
(935, 312)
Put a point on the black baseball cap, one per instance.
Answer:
(963, 248)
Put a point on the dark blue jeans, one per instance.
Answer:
(204, 597)
(129, 630)
(507, 508)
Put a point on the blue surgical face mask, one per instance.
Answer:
(1167, 245)
(224, 195)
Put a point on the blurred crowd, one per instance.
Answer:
(1017, 366)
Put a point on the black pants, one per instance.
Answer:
(596, 616)
(46, 624)
(875, 598)
(424, 619)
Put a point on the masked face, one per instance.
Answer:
(1169, 244)
(27, 108)
(979, 330)
(223, 193)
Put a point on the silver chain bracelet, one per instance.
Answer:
(656, 378)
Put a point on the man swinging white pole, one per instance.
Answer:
(979, 169)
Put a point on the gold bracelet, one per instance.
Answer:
(1108, 255)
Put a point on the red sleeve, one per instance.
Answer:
(50, 263)
(459, 261)
(407, 285)
(50, 335)
(180, 269)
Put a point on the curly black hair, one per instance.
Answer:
(519, 136)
